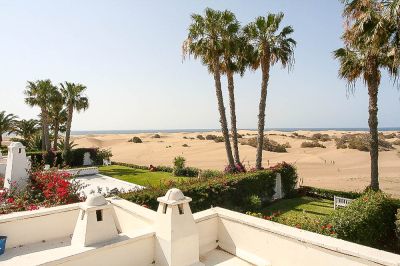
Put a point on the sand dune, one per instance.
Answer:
(332, 168)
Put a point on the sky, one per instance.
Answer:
(128, 54)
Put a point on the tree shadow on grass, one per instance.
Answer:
(293, 204)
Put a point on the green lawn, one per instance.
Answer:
(137, 176)
(312, 207)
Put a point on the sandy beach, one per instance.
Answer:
(342, 169)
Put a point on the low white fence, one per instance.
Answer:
(340, 202)
(82, 171)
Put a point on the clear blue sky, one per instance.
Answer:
(128, 54)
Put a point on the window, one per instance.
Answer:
(165, 208)
(19, 150)
(180, 208)
(99, 215)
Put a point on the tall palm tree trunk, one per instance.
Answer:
(261, 112)
(68, 129)
(56, 129)
(46, 133)
(373, 129)
(1, 138)
(232, 105)
(221, 108)
(43, 143)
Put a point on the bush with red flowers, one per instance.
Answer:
(45, 189)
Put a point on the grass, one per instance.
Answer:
(312, 207)
(137, 176)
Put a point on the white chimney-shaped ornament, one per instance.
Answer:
(17, 168)
(95, 222)
(176, 231)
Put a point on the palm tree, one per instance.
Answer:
(75, 100)
(393, 15)
(204, 42)
(27, 129)
(367, 51)
(40, 93)
(7, 124)
(231, 63)
(271, 47)
(57, 114)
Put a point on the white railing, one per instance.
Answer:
(340, 202)
(82, 171)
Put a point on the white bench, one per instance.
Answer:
(340, 202)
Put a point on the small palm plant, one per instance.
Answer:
(27, 129)
(7, 124)
(271, 46)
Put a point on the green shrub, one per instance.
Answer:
(179, 162)
(167, 169)
(179, 166)
(104, 154)
(200, 137)
(191, 171)
(185, 145)
(396, 142)
(156, 136)
(368, 220)
(312, 144)
(210, 173)
(38, 158)
(75, 157)
(211, 137)
(254, 203)
(135, 140)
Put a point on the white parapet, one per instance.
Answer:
(83, 171)
(95, 223)
(177, 241)
(17, 167)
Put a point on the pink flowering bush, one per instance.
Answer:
(45, 189)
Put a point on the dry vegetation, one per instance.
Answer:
(361, 142)
(268, 145)
(312, 144)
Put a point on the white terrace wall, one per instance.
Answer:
(253, 239)
(28, 227)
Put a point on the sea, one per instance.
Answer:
(138, 131)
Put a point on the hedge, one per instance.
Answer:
(237, 192)
(74, 157)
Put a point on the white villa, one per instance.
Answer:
(114, 231)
